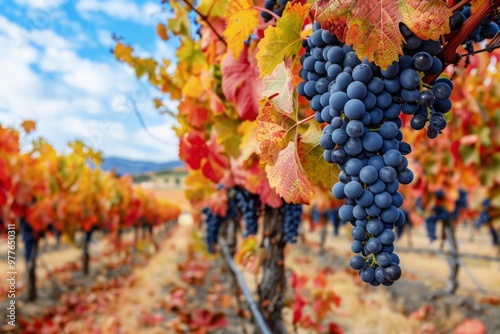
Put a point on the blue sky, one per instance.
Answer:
(56, 68)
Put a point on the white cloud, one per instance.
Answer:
(41, 4)
(72, 97)
(119, 9)
(104, 37)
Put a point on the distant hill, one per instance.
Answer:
(124, 166)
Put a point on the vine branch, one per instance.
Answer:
(449, 53)
(205, 18)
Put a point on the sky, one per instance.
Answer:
(56, 68)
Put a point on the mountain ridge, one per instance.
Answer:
(135, 167)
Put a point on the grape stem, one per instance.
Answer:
(305, 120)
(270, 12)
(205, 18)
(449, 53)
(460, 5)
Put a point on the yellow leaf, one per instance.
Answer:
(284, 40)
(317, 169)
(213, 8)
(241, 19)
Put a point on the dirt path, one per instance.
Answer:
(146, 294)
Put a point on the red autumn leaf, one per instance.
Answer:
(241, 84)
(193, 148)
(333, 328)
(470, 326)
(205, 319)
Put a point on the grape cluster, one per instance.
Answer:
(333, 216)
(276, 6)
(248, 204)
(400, 230)
(213, 223)
(361, 104)
(292, 215)
(460, 203)
(439, 214)
(425, 103)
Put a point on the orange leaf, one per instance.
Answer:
(275, 131)
(289, 178)
(373, 26)
(28, 125)
(161, 31)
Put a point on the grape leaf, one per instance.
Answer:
(241, 84)
(373, 26)
(334, 15)
(213, 8)
(275, 131)
(317, 169)
(241, 20)
(279, 85)
(284, 40)
(289, 178)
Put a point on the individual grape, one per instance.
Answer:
(383, 200)
(338, 190)
(393, 158)
(391, 71)
(353, 146)
(367, 274)
(366, 199)
(357, 246)
(372, 142)
(363, 73)
(384, 259)
(426, 98)
(392, 272)
(358, 233)
(388, 130)
(422, 61)
(340, 136)
(387, 237)
(387, 174)
(355, 129)
(357, 262)
(409, 79)
(418, 122)
(368, 174)
(353, 166)
(353, 189)
(375, 227)
(441, 91)
(354, 109)
(356, 90)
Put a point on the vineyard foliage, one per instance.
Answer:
(242, 123)
(69, 192)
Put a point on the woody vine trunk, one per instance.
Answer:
(271, 289)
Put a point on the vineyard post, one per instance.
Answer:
(323, 221)
(85, 249)
(31, 271)
(453, 257)
(271, 289)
